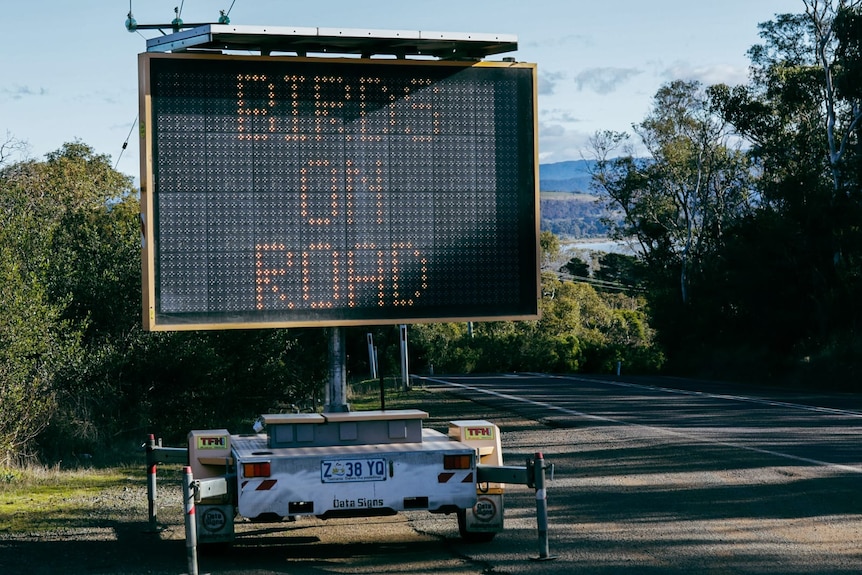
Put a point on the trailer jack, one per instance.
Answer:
(156, 454)
(533, 475)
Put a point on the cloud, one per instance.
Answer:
(19, 92)
(99, 98)
(548, 82)
(563, 115)
(604, 80)
(558, 143)
(707, 75)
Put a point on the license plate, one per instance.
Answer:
(343, 470)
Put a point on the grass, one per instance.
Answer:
(442, 407)
(34, 499)
(365, 395)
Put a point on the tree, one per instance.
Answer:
(801, 113)
(550, 246)
(620, 269)
(35, 344)
(37, 340)
(676, 202)
(576, 267)
(580, 330)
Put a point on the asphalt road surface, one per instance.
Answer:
(673, 476)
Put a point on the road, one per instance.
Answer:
(651, 476)
(673, 476)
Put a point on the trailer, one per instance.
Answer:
(349, 464)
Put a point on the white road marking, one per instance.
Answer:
(567, 411)
(742, 398)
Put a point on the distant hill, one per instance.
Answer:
(569, 210)
(572, 215)
(570, 176)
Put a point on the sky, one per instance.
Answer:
(68, 70)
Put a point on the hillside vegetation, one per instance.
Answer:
(573, 215)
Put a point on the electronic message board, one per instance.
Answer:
(285, 191)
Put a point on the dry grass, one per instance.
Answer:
(35, 498)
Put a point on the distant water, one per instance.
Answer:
(603, 245)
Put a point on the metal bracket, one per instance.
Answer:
(211, 487)
(503, 474)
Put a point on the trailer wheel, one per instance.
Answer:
(472, 536)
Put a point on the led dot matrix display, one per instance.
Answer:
(281, 192)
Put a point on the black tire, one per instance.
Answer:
(472, 536)
(215, 549)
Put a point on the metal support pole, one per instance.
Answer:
(151, 484)
(405, 368)
(382, 393)
(541, 508)
(156, 454)
(191, 522)
(372, 355)
(336, 391)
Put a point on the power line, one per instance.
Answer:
(126, 143)
(598, 283)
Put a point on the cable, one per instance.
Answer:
(126, 143)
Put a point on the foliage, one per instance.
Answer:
(620, 269)
(752, 254)
(36, 340)
(802, 246)
(573, 215)
(550, 246)
(576, 267)
(678, 203)
(580, 330)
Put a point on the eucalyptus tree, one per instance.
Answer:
(678, 196)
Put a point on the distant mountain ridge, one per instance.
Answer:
(573, 211)
(568, 176)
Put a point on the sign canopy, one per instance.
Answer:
(289, 191)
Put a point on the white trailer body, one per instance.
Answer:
(350, 464)
(354, 480)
